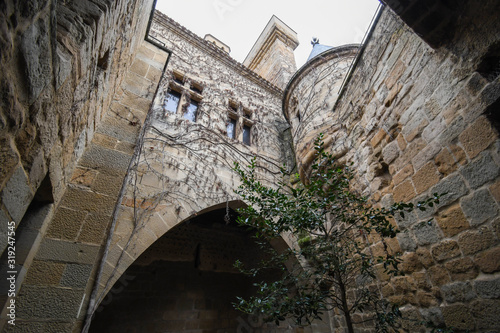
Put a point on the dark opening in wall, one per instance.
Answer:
(492, 112)
(103, 61)
(489, 67)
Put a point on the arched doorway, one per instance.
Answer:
(186, 282)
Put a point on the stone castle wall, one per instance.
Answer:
(66, 144)
(185, 167)
(417, 121)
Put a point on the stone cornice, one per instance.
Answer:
(215, 52)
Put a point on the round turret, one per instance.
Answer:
(310, 96)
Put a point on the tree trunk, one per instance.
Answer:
(345, 306)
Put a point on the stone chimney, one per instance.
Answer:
(217, 43)
(272, 54)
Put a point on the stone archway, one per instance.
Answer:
(186, 281)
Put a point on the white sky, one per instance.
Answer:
(238, 23)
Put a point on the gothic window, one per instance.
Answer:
(191, 111)
(240, 123)
(246, 135)
(231, 128)
(183, 98)
(172, 101)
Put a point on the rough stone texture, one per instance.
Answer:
(488, 288)
(76, 276)
(486, 313)
(458, 292)
(445, 250)
(488, 260)
(473, 241)
(480, 171)
(459, 317)
(17, 194)
(45, 273)
(452, 221)
(479, 207)
(477, 137)
(48, 303)
(67, 251)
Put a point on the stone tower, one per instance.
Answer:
(272, 54)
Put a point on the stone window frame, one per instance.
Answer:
(243, 117)
(189, 90)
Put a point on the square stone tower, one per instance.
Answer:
(272, 54)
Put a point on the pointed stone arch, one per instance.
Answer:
(189, 275)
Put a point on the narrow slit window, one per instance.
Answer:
(231, 128)
(191, 111)
(246, 135)
(172, 101)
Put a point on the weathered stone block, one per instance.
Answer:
(454, 187)
(438, 275)
(485, 311)
(82, 176)
(139, 67)
(487, 261)
(104, 140)
(407, 221)
(390, 152)
(404, 191)
(108, 184)
(35, 52)
(76, 276)
(66, 223)
(406, 242)
(488, 288)
(452, 221)
(452, 131)
(94, 228)
(415, 126)
(462, 269)
(426, 154)
(426, 177)
(44, 273)
(458, 316)
(458, 292)
(434, 129)
(479, 207)
(425, 257)
(48, 303)
(480, 171)
(445, 162)
(445, 250)
(105, 160)
(477, 137)
(426, 299)
(17, 194)
(410, 263)
(83, 200)
(403, 174)
(473, 241)
(64, 66)
(153, 74)
(63, 251)
(426, 233)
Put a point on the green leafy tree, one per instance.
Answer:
(331, 266)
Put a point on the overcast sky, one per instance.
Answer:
(238, 23)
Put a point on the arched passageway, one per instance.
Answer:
(186, 282)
